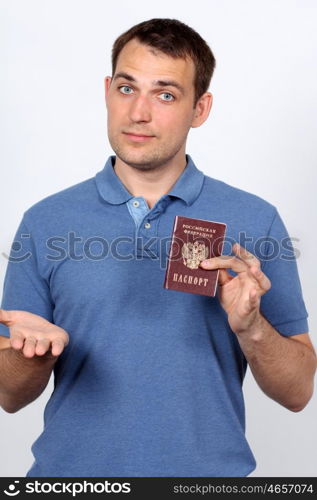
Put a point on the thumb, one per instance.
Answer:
(5, 317)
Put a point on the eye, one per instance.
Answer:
(125, 89)
(166, 96)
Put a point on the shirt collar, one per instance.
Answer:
(112, 190)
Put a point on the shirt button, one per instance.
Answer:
(147, 225)
(136, 203)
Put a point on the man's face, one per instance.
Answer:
(150, 101)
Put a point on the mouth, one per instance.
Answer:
(138, 137)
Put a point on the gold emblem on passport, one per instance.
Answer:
(193, 254)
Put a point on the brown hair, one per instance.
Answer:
(175, 39)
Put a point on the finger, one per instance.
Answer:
(17, 340)
(42, 346)
(261, 278)
(29, 347)
(224, 277)
(225, 262)
(57, 347)
(246, 256)
(5, 317)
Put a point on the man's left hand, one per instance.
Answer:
(240, 295)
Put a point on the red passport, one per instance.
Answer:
(194, 240)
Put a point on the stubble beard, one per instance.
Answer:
(146, 160)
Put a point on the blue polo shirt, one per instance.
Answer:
(151, 381)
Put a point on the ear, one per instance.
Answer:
(107, 81)
(202, 109)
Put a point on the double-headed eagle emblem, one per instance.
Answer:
(193, 254)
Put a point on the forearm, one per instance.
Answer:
(22, 379)
(284, 368)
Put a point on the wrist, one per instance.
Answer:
(254, 330)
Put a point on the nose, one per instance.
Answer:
(140, 110)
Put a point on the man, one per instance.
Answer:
(147, 380)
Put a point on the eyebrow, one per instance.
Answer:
(160, 83)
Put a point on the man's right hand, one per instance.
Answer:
(33, 335)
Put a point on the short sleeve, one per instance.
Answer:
(283, 305)
(24, 288)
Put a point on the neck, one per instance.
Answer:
(151, 184)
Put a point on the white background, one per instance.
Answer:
(261, 137)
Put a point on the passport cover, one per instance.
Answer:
(194, 240)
